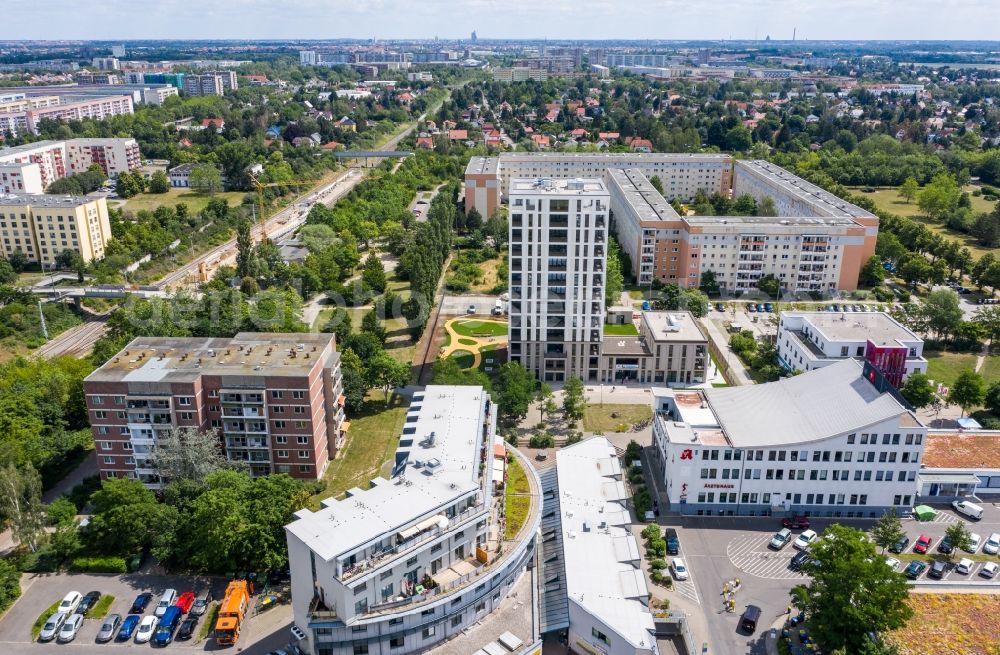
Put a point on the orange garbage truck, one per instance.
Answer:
(231, 613)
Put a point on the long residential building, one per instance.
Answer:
(558, 236)
(32, 167)
(816, 243)
(42, 227)
(424, 554)
(837, 441)
(68, 109)
(276, 401)
(210, 84)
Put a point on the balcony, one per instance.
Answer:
(559, 223)
(553, 350)
(148, 404)
(555, 335)
(555, 322)
(243, 412)
(250, 398)
(557, 265)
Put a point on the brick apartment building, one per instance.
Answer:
(275, 399)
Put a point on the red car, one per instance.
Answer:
(185, 601)
(922, 544)
(795, 523)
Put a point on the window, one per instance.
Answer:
(302, 440)
(279, 424)
(184, 400)
(361, 587)
(300, 409)
(428, 632)
(361, 606)
(303, 454)
(282, 454)
(109, 460)
(298, 395)
(456, 621)
(599, 636)
(358, 628)
(98, 400)
(99, 414)
(397, 642)
(275, 393)
(280, 439)
(360, 649)
(119, 400)
(105, 445)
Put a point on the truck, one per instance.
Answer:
(232, 610)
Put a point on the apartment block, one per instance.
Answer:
(420, 556)
(558, 237)
(106, 63)
(43, 226)
(68, 108)
(276, 401)
(114, 156)
(32, 167)
(519, 74)
(671, 349)
(210, 84)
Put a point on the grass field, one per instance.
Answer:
(490, 267)
(467, 342)
(950, 623)
(597, 418)
(627, 330)
(464, 358)
(991, 369)
(479, 328)
(102, 607)
(517, 506)
(944, 367)
(195, 201)
(371, 442)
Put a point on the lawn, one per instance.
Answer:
(195, 201)
(489, 281)
(944, 367)
(371, 442)
(206, 625)
(478, 328)
(100, 610)
(626, 330)
(464, 358)
(949, 623)
(517, 504)
(40, 621)
(991, 369)
(598, 418)
(468, 342)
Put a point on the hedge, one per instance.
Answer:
(99, 565)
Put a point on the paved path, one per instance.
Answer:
(737, 372)
(454, 344)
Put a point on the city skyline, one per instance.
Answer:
(393, 19)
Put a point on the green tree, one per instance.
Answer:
(60, 510)
(988, 316)
(205, 178)
(908, 189)
(770, 285)
(657, 183)
(766, 207)
(872, 273)
(370, 324)
(709, 283)
(614, 281)
(694, 301)
(513, 390)
(546, 403)
(473, 220)
(373, 273)
(127, 518)
(992, 399)
(159, 182)
(574, 399)
(942, 312)
(21, 506)
(958, 535)
(388, 374)
(10, 584)
(18, 261)
(65, 541)
(355, 375)
(189, 454)
(447, 370)
(738, 139)
(887, 530)
(246, 256)
(340, 325)
(915, 269)
(986, 228)
(968, 391)
(940, 196)
(918, 390)
(7, 273)
(852, 593)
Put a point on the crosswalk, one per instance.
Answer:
(750, 554)
(687, 589)
(941, 517)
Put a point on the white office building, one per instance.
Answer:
(830, 442)
(590, 585)
(558, 237)
(419, 557)
(811, 340)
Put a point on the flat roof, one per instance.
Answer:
(43, 200)
(960, 450)
(589, 186)
(481, 165)
(784, 221)
(673, 326)
(640, 194)
(820, 200)
(184, 359)
(600, 554)
(612, 157)
(448, 471)
(878, 327)
(28, 147)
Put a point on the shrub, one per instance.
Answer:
(541, 440)
(576, 437)
(883, 294)
(99, 564)
(81, 493)
(651, 531)
(658, 564)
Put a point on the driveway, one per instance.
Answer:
(459, 305)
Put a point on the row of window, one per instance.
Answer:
(212, 393)
(709, 454)
(839, 475)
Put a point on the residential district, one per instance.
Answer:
(484, 346)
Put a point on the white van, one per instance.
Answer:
(971, 510)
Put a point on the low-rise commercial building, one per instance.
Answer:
(42, 227)
(837, 441)
(422, 555)
(959, 465)
(276, 401)
(811, 340)
(670, 349)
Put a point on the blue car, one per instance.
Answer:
(168, 624)
(768, 307)
(128, 627)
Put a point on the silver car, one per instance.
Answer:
(109, 628)
(51, 627)
(69, 629)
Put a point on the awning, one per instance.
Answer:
(948, 478)
(499, 465)
(345, 426)
(426, 524)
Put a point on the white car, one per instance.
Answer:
(992, 544)
(679, 569)
(965, 566)
(989, 569)
(803, 540)
(892, 562)
(51, 628)
(166, 600)
(144, 632)
(974, 540)
(70, 603)
(69, 629)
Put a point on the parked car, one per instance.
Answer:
(188, 625)
(799, 560)
(972, 510)
(679, 568)
(164, 633)
(992, 544)
(973, 545)
(964, 566)
(900, 545)
(110, 626)
(768, 307)
(760, 307)
(472, 309)
(140, 603)
(752, 309)
(938, 569)
(51, 627)
(780, 539)
(673, 542)
(67, 632)
(989, 569)
(914, 569)
(892, 563)
(185, 601)
(88, 601)
(922, 544)
(128, 627)
(805, 539)
(145, 630)
(720, 307)
(168, 598)
(70, 602)
(945, 546)
(795, 523)
(201, 604)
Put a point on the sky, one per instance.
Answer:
(529, 19)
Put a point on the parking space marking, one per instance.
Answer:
(750, 554)
(688, 589)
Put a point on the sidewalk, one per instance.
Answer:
(738, 372)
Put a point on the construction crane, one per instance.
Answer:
(260, 186)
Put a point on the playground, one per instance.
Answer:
(470, 341)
